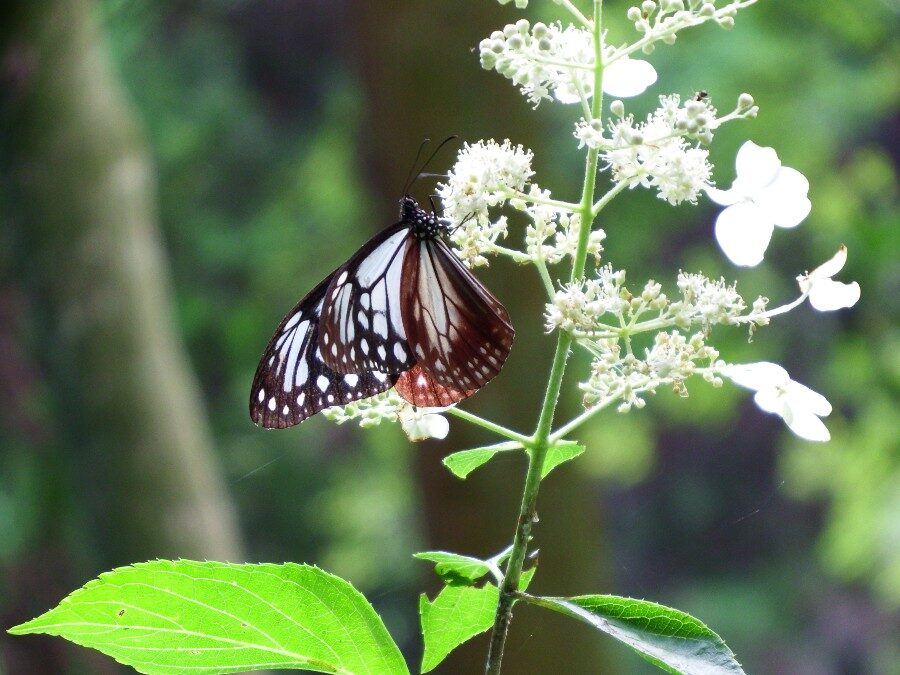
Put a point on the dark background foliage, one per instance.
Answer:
(174, 175)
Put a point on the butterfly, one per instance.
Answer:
(402, 312)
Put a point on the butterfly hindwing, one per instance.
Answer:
(293, 381)
(362, 325)
(459, 333)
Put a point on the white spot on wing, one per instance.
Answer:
(351, 379)
(322, 382)
(272, 404)
(382, 352)
(262, 395)
(381, 377)
(399, 352)
(379, 325)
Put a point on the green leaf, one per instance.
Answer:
(207, 617)
(457, 614)
(464, 462)
(668, 638)
(453, 567)
(559, 454)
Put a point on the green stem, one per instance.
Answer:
(539, 443)
(498, 429)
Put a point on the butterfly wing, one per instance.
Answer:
(293, 381)
(362, 325)
(459, 333)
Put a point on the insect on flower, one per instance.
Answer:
(403, 312)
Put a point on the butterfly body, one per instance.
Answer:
(403, 311)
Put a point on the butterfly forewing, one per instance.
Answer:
(362, 325)
(403, 310)
(293, 381)
(459, 333)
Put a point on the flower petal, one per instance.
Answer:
(832, 266)
(785, 200)
(759, 375)
(756, 166)
(827, 295)
(420, 426)
(806, 425)
(724, 197)
(743, 233)
(800, 396)
(628, 77)
(772, 400)
(566, 93)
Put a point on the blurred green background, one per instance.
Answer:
(175, 175)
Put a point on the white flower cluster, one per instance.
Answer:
(660, 21)
(368, 412)
(579, 306)
(706, 301)
(656, 153)
(418, 424)
(552, 234)
(669, 362)
(548, 61)
(485, 175)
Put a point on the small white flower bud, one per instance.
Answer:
(681, 124)
(648, 7)
(752, 113)
(497, 46)
(648, 48)
(727, 22)
(635, 137)
(539, 30)
(694, 108)
(633, 14)
(706, 137)
(702, 121)
(544, 44)
(498, 35)
(669, 38)
(745, 101)
(617, 108)
(673, 5)
(596, 125)
(640, 26)
(510, 29)
(521, 4)
(707, 10)
(515, 42)
(522, 25)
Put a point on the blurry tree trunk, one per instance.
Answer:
(128, 403)
(421, 79)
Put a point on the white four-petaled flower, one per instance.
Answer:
(420, 424)
(764, 194)
(798, 405)
(823, 292)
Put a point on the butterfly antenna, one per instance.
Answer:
(421, 171)
(409, 177)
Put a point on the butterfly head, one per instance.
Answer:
(424, 225)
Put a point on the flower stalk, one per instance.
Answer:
(541, 440)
